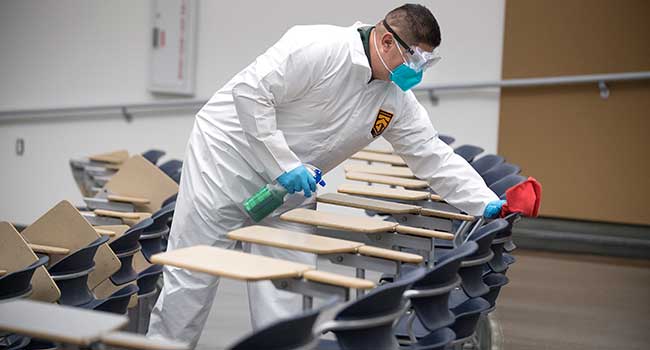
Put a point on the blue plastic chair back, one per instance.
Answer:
(291, 333)
(469, 152)
(467, 316)
(500, 187)
(171, 167)
(80, 260)
(498, 172)
(129, 240)
(148, 278)
(432, 311)
(117, 303)
(446, 139)
(19, 283)
(438, 340)
(153, 155)
(487, 162)
(485, 234)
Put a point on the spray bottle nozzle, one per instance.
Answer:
(318, 177)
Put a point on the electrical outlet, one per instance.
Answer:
(20, 146)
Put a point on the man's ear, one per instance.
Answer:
(387, 41)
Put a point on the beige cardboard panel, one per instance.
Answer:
(63, 226)
(116, 157)
(106, 288)
(15, 254)
(140, 263)
(139, 178)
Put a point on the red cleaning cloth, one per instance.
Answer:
(524, 198)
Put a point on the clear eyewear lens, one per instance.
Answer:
(421, 60)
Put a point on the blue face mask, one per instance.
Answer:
(403, 76)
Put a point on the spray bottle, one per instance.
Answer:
(271, 196)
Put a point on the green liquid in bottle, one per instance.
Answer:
(264, 201)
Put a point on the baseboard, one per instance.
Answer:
(586, 237)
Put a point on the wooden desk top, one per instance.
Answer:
(445, 214)
(386, 150)
(367, 203)
(127, 199)
(378, 157)
(338, 221)
(293, 240)
(389, 254)
(387, 180)
(383, 192)
(337, 280)
(230, 264)
(397, 171)
(44, 321)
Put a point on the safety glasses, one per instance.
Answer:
(418, 59)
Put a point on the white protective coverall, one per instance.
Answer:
(307, 100)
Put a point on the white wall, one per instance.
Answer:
(82, 53)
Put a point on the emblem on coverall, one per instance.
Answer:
(381, 123)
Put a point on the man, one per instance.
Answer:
(317, 96)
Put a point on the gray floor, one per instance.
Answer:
(554, 301)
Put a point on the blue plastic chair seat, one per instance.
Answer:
(292, 333)
(467, 316)
(19, 283)
(495, 282)
(147, 279)
(116, 303)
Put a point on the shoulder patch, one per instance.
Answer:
(381, 123)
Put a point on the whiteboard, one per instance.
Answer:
(172, 65)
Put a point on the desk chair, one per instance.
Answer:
(285, 275)
(498, 172)
(429, 296)
(171, 167)
(487, 162)
(17, 284)
(71, 274)
(446, 139)
(468, 152)
(367, 323)
(153, 155)
(500, 187)
(294, 333)
(371, 231)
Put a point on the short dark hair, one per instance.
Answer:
(415, 24)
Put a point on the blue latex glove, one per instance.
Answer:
(298, 179)
(493, 209)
